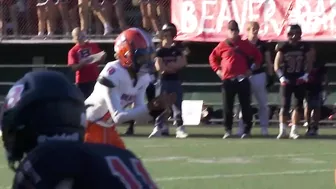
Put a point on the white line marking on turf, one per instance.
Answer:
(188, 158)
(195, 145)
(205, 177)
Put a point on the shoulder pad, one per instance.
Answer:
(109, 75)
(106, 82)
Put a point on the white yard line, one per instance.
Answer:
(194, 144)
(179, 158)
(206, 177)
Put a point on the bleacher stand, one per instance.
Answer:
(101, 19)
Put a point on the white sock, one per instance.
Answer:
(107, 26)
(282, 126)
(293, 128)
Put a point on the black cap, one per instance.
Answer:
(233, 25)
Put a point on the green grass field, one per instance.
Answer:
(205, 160)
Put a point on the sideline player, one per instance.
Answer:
(315, 95)
(120, 84)
(43, 120)
(297, 63)
(169, 62)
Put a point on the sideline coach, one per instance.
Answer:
(233, 60)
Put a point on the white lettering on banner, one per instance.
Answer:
(207, 15)
(270, 22)
(316, 17)
(189, 21)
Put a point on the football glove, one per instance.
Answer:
(303, 79)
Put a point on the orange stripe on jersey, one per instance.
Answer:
(105, 117)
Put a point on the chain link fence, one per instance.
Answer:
(100, 19)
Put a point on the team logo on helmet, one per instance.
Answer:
(13, 96)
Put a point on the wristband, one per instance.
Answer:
(279, 73)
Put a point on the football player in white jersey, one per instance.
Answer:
(121, 83)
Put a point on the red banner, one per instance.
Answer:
(206, 20)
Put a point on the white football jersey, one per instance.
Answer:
(107, 105)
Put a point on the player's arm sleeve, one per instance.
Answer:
(119, 115)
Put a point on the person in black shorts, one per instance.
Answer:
(43, 122)
(314, 98)
(170, 60)
(296, 60)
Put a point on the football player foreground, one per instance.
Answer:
(120, 84)
(43, 123)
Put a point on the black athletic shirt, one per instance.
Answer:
(169, 55)
(262, 46)
(294, 63)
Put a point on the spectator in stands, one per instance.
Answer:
(231, 61)
(114, 6)
(258, 79)
(169, 62)
(164, 11)
(10, 9)
(86, 72)
(67, 9)
(46, 15)
(150, 20)
(95, 6)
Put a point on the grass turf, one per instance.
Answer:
(205, 160)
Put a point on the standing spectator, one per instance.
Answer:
(258, 79)
(65, 12)
(170, 60)
(9, 9)
(231, 62)
(112, 9)
(150, 20)
(46, 18)
(86, 74)
(164, 11)
(94, 5)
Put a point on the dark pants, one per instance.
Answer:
(86, 88)
(150, 92)
(172, 86)
(230, 88)
(286, 92)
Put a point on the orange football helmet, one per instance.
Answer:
(134, 48)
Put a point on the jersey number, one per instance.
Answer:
(294, 64)
(127, 177)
